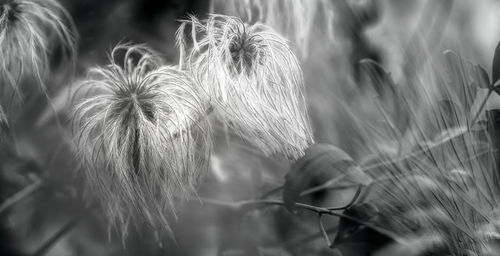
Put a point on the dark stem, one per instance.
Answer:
(19, 196)
(56, 237)
(249, 205)
(478, 113)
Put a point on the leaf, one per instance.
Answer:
(389, 94)
(495, 72)
(461, 76)
(356, 239)
(368, 13)
(321, 163)
(449, 112)
(481, 77)
(452, 148)
(272, 252)
(379, 77)
(415, 246)
(493, 126)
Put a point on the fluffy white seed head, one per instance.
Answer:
(142, 135)
(29, 30)
(253, 75)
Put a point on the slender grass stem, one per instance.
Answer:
(21, 195)
(65, 229)
(272, 192)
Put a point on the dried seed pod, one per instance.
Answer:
(253, 75)
(142, 136)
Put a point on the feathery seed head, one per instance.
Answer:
(28, 28)
(142, 136)
(253, 75)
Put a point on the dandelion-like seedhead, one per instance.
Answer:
(142, 136)
(253, 75)
(28, 29)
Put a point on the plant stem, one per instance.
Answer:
(323, 230)
(251, 204)
(272, 192)
(307, 239)
(19, 196)
(481, 107)
(56, 237)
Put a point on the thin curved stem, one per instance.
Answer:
(323, 231)
(249, 205)
(353, 200)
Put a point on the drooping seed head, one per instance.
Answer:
(29, 29)
(255, 78)
(142, 136)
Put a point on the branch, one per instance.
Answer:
(307, 239)
(249, 205)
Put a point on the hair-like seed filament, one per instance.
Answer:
(142, 136)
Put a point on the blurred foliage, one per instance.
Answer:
(394, 46)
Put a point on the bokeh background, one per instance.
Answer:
(56, 216)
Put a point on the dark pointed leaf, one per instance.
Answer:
(389, 94)
(461, 79)
(3, 122)
(450, 113)
(321, 163)
(481, 77)
(356, 239)
(495, 72)
(426, 244)
(378, 77)
(368, 13)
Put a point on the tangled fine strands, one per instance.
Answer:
(142, 137)
(250, 73)
(27, 30)
(296, 20)
(448, 187)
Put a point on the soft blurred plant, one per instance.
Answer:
(440, 197)
(425, 183)
(142, 136)
(253, 77)
(28, 29)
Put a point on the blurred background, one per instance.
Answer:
(45, 209)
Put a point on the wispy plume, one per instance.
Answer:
(294, 19)
(254, 78)
(441, 181)
(142, 136)
(29, 29)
